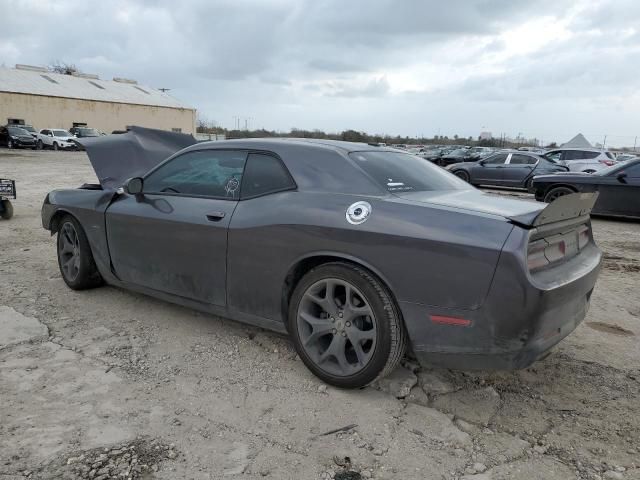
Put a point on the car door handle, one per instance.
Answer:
(215, 216)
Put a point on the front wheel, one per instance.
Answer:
(39, 145)
(556, 193)
(75, 259)
(10, 144)
(55, 146)
(7, 209)
(345, 325)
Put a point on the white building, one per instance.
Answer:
(35, 96)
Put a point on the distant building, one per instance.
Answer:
(35, 96)
(486, 136)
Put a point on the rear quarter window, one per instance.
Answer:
(398, 172)
(264, 174)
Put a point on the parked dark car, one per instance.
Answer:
(16, 137)
(618, 188)
(84, 132)
(507, 169)
(457, 156)
(352, 250)
(28, 128)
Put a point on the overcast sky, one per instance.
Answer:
(546, 68)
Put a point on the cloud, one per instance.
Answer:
(410, 67)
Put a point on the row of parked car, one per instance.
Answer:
(25, 136)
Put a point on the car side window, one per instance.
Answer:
(519, 159)
(496, 159)
(207, 173)
(589, 155)
(633, 171)
(264, 174)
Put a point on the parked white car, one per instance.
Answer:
(589, 160)
(56, 139)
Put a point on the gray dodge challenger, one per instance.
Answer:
(357, 252)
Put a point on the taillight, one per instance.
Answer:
(557, 248)
(608, 163)
(583, 236)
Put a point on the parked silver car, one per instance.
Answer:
(587, 160)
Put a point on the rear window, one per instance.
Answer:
(400, 172)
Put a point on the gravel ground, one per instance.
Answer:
(111, 384)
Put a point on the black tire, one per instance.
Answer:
(7, 210)
(55, 146)
(86, 273)
(390, 340)
(39, 145)
(9, 143)
(555, 193)
(461, 174)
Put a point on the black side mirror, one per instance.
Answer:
(621, 177)
(133, 186)
(482, 162)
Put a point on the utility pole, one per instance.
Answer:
(634, 143)
(604, 142)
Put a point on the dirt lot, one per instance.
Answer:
(103, 383)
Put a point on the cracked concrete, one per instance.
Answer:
(96, 369)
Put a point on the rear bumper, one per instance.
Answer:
(522, 318)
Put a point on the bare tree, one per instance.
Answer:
(64, 68)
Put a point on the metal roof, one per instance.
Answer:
(49, 84)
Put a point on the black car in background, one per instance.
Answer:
(618, 187)
(16, 137)
(510, 168)
(84, 132)
(457, 156)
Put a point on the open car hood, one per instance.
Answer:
(116, 158)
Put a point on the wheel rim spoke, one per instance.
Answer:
(336, 327)
(69, 252)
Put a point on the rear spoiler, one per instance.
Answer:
(563, 208)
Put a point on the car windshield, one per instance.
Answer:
(88, 132)
(401, 172)
(61, 133)
(17, 131)
(461, 152)
(28, 128)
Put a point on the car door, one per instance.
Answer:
(173, 237)
(518, 169)
(620, 192)
(489, 171)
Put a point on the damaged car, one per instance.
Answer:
(358, 253)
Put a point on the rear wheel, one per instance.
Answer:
(462, 175)
(10, 143)
(345, 326)
(7, 209)
(556, 193)
(75, 259)
(529, 184)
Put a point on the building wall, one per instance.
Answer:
(55, 112)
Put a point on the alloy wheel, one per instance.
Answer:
(69, 251)
(337, 327)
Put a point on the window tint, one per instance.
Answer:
(496, 159)
(210, 173)
(555, 156)
(518, 159)
(264, 174)
(610, 155)
(399, 172)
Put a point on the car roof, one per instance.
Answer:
(267, 143)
